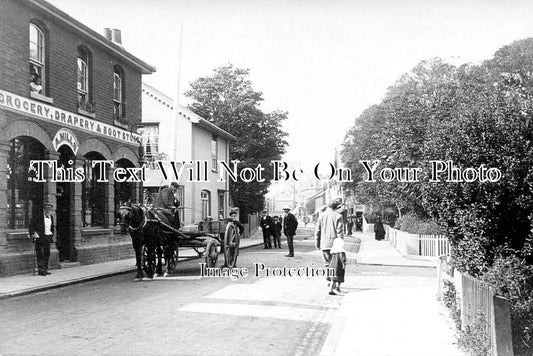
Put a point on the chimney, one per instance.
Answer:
(107, 33)
(116, 36)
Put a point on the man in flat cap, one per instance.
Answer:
(167, 200)
(233, 217)
(41, 230)
(290, 223)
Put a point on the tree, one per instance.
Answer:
(472, 115)
(228, 100)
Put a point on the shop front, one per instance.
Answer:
(84, 196)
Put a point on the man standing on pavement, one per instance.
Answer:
(350, 224)
(276, 231)
(41, 230)
(289, 229)
(266, 224)
(328, 227)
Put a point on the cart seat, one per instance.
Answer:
(213, 227)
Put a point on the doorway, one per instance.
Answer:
(64, 231)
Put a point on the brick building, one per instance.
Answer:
(71, 96)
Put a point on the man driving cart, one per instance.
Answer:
(168, 203)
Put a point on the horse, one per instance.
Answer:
(152, 235)
(161, 222)
(133, 220)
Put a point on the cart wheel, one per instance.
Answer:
(171, 258)
(211, 254)
(231, 245)
(149, 260)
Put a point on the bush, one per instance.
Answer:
(370, 218)
(474, 339)
(451, 302)
(414, 225)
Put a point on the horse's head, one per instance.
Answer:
(125, 213)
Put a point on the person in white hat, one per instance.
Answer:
(338, 264)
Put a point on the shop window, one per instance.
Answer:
(205, 197)
(37, 60)
(118, 94)
(124, 191)
(93, 193)
(24, 195)
(84, 80)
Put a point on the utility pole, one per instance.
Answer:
(177, 96)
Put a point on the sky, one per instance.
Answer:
(322, 61)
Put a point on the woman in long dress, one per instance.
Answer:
(379, 229)
(338, 263)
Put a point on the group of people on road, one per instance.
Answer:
(272, 227)
(354, 223)
(329, 232)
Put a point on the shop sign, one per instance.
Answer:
(66, 137)
(49, 113)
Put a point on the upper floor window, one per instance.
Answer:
(83, 83)
(214, 153)
(37, 59)
(118, 93)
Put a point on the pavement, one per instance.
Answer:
(403, 318)
(21, 284)
(395, 320)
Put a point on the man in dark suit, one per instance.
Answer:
(42, 232)
(290, 223)
(166, 200)
(276, 231)
(266, 224)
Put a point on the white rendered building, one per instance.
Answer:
(173, 134)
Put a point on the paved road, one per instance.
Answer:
(187, 315)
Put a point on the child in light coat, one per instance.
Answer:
(338, 263)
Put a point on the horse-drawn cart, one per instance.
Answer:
(155, 238)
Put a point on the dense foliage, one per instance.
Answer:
(228, 100)
(475, 116)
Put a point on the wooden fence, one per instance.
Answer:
(251, 226)
(481, 309)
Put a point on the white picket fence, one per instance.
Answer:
(413, 245)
